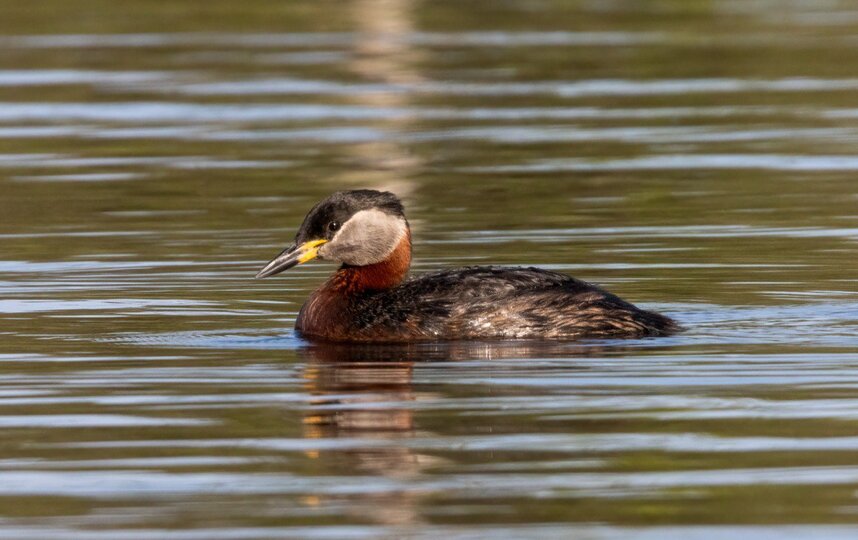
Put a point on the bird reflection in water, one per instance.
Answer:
(366, 393)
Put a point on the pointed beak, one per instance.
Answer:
(290, 257)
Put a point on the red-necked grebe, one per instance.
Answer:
(368, 299)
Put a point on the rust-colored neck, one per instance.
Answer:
(326, 313)
(375, 277)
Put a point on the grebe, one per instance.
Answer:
(368, 300)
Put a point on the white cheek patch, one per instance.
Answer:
(369, 237)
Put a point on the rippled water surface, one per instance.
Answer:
(696, 157)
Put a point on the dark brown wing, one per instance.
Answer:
(500, 302)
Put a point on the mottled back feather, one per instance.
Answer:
(496, 302)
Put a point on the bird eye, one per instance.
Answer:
(334, 226)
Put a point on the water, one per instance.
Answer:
(695, 157)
